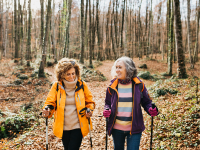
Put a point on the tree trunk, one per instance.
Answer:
(116, 28)
(1, 28)
(111, 32)
(197, 35)
(85, 26)
(181, 71)
(22, 31)
(66, 49)
(139, 36)
(188, 34)
(107, 33)
(59, 33)
(6, 30)
(82, 32)
(42, 23)
(44, 47)
(29, 36)
(16, 35)
(170, 40)
(125, 28)
(90, 34)
(93, 32)
(146, 30)
(122, 28)
(159, 27)
(98, 31)
(54, 49)
(149, 34)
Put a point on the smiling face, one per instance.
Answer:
(70, 75)
(121, 70)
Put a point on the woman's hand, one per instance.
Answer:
(107, 113)
(45, 113)
(88, 114)
(153, 112)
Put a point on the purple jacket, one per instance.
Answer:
(111, 102)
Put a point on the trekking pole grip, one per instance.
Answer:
(153, 105)
(107, 118)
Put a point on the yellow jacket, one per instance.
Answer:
(83, 99)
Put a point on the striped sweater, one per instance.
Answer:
(124, 113)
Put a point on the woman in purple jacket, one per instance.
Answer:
(124, 98)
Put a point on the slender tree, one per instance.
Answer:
(122, 27)
(44, 46)
(181, 71)
(90, 34)
(197, 34)
(107, 50)
(85, 27)
(149, 34)
(111, 33)
(28, 55)
(42, 22)
(98, 31)
(16, 33)
(6, 30)
(188, 34)
(22, 31)
(82, 32)
(66, 49)
(93, 30)
(54, 49)
(170, 36)
(1, 28)
(139, 32)
(116, 24)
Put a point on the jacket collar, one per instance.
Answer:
(78, 84)
(114, 82)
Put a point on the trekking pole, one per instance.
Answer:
(88, 110)
(46, 108)
(153, 106)
(106, 130)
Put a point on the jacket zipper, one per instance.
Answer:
(60, 99)
(80, 123)
(115, 110)
(79, 98)
(132, 108)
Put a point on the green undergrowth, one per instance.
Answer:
(13, 124)
(178, 125)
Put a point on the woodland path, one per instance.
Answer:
(34, 138)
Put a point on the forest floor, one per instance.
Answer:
(179, 129)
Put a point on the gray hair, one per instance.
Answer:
(131, 70)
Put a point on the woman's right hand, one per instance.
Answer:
(45, 113)
(107, 113)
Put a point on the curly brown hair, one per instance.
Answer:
(64, 65)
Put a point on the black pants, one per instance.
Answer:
(72, 139)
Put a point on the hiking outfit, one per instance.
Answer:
(68, 98)
(124, 99)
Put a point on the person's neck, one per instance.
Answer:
(125, 81)
(70, 85)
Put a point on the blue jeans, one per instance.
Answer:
(133, 141)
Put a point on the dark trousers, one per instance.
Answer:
(133, 141)
(72, 139)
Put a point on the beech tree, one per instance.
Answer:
(181, 72)
(44, 46)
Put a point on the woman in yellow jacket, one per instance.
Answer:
(69, 96)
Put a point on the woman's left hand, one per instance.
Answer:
(88, 114)
(153, 112)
